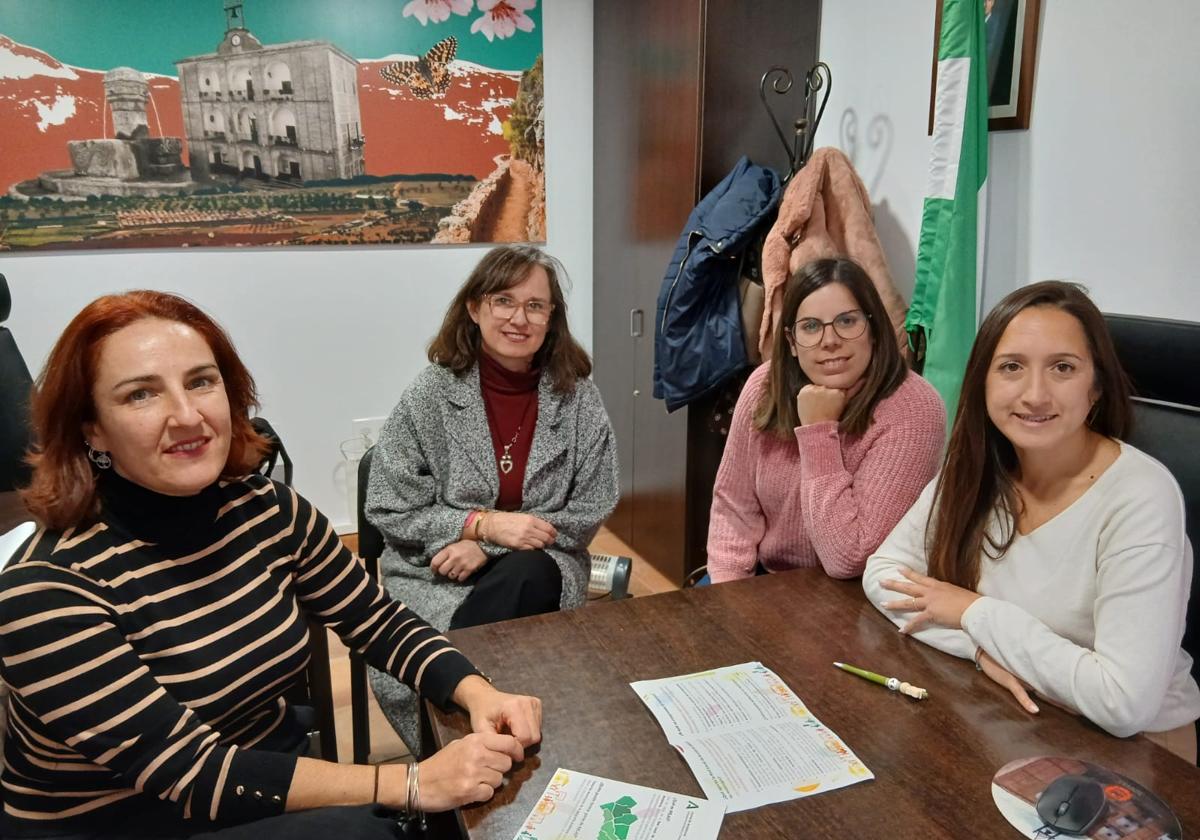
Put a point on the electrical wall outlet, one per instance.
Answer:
(367, 429)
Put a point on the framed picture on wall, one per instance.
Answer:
(1010, 28)
(269, 123)
(1010, 35)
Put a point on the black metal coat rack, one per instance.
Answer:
(819, 78)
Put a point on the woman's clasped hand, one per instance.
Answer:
(467, 770)
(473, 767)
(459, 560)
(929, 601)
(517, 530)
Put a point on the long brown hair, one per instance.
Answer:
(456, 346)
(776, 410)
(978, 477)
(62, 492)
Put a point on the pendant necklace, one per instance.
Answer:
(506, 461)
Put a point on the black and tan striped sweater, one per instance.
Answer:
(148, 654)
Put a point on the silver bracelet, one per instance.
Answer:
(416, 800)
(412, 808)
(410, 781)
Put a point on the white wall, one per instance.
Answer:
(333, 334)
(1103, 188)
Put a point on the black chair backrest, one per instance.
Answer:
(277, 453)
(1160, 355)
(16, 386)
(370, 541)
(1170, 433)
(312, 700)
(370, 547)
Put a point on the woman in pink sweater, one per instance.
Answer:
(832, 440)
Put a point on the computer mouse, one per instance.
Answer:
(1072, 805)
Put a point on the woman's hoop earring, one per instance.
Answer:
(98, 457)
(1091, 418)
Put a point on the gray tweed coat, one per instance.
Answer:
(434, 463)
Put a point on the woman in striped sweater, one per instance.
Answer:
(151, 629)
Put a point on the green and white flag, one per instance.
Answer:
(941, 320)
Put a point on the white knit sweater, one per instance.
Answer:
(1088, 608)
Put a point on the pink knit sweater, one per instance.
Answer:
(824, 498)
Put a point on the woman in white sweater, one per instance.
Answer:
(1047, 550)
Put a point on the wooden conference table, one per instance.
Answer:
(933, 760)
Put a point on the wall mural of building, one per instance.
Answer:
(270, 139)
(289, 110)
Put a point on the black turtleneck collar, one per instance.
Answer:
(154, 517)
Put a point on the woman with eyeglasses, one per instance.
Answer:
(498, 465)
(832, 440)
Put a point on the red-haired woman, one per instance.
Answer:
(1047, 550)
(153, 625)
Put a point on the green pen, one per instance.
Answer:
(889, 682)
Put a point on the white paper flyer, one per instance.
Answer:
(748, 738)
(577, 806)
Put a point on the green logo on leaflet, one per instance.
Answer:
(618, 819)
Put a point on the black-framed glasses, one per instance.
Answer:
(505, 307)
(809, 332)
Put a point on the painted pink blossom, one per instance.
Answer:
(502, 18)
(436, 10)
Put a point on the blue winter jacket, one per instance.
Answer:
(697, 327)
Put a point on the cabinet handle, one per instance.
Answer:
(636, 322)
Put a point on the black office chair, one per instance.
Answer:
(15, 387)
(316, 693)
(278, 452)
(1162, 356)
(370, 547)
(1171, 434)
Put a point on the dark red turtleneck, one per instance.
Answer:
(511, 402)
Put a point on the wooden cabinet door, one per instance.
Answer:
(676, 104)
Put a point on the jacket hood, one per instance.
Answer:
(733, 210)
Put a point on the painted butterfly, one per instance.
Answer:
(428, 76)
